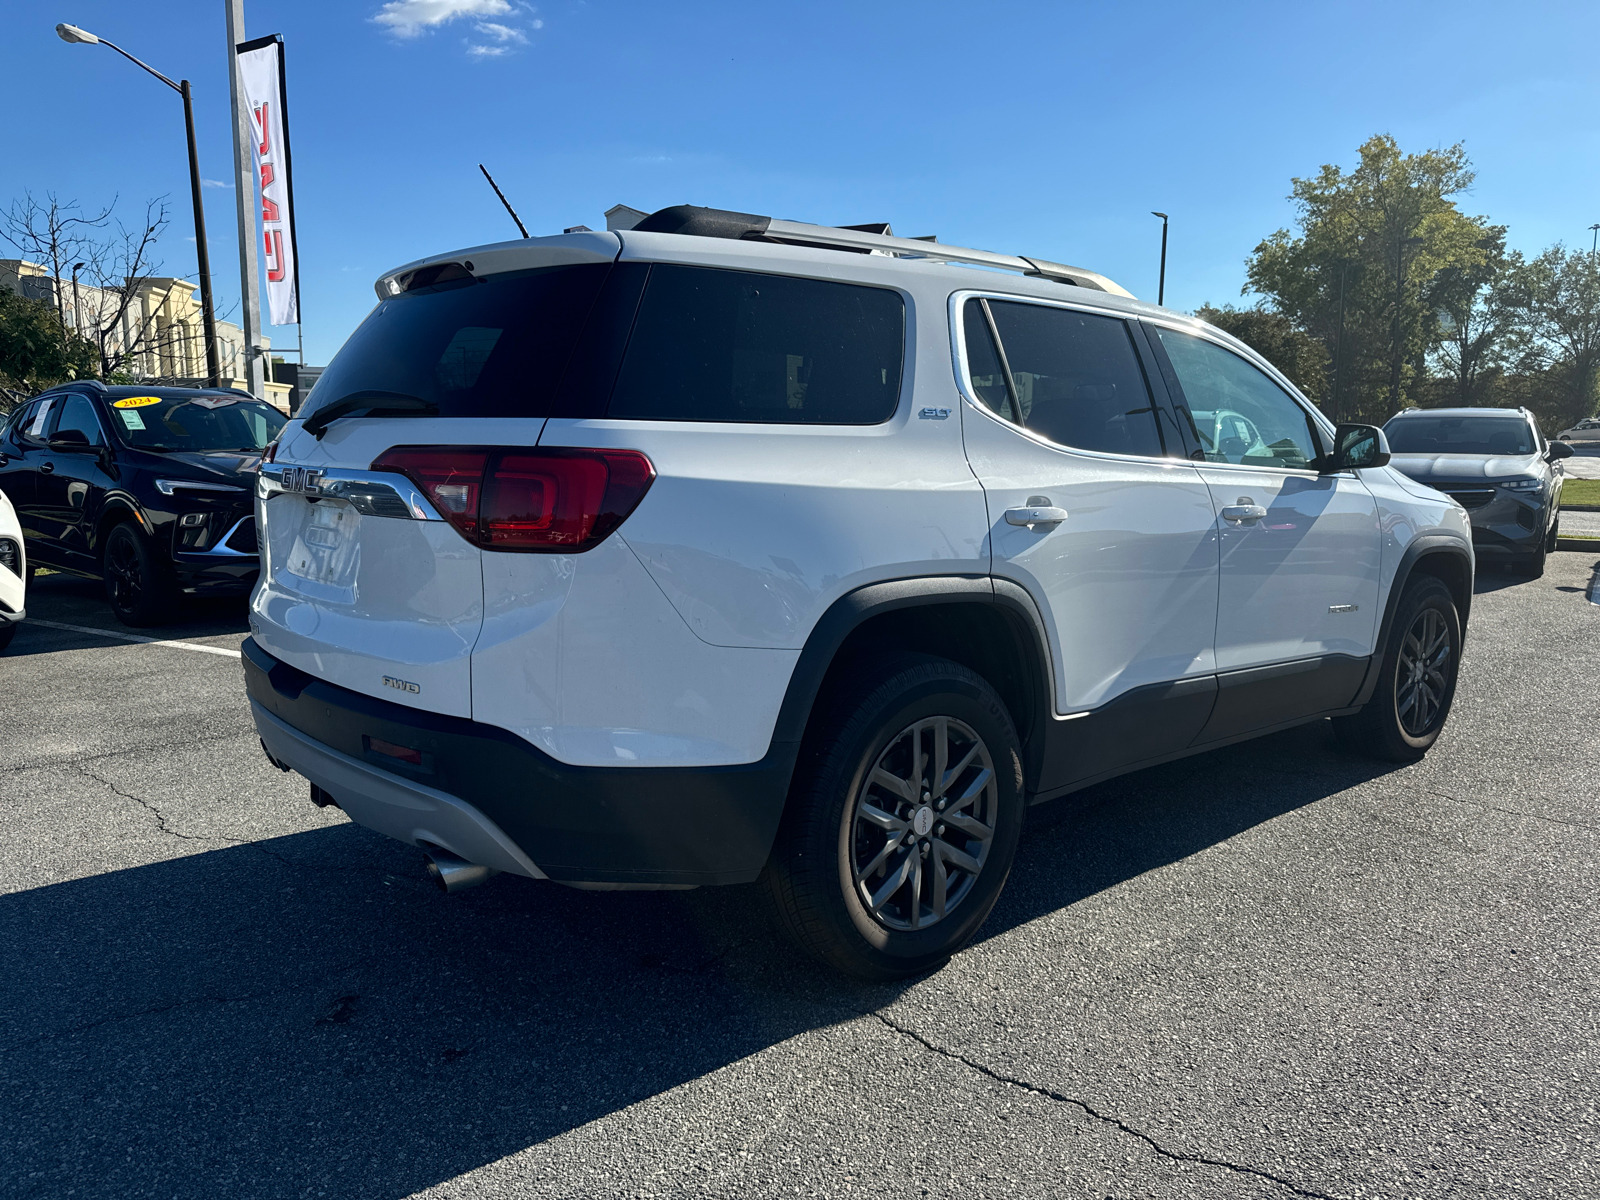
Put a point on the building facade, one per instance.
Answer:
(159, 335)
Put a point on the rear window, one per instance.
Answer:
(701, 345)
(713, 345)
(1459, 435)
(491, 347)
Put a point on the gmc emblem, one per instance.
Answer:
(302, 479)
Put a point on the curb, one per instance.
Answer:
(1580, 508)
(1590, 544)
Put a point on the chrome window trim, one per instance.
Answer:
(958, 350)
(351, 486)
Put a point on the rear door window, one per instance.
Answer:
(716, 345)
(1077, 376)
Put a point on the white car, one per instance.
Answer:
(13, 573)
(729, 548)
(1586, 430)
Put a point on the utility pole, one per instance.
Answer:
(1161, 288)
(1595, 229)
(244, 194)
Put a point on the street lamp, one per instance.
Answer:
(71, 33)
(1594, 229)
(1161, 290)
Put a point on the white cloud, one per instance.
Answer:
(221, 183)
(408, 18)
(486, 51)
(503, 33)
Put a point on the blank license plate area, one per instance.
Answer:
(323, 547)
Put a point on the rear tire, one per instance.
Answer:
(7, 632)
(1555, 535)
(1416, 678)
(888, 862)
(139, 585)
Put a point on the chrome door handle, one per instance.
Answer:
(1035, 516)
(46, 468)
(1243, 514)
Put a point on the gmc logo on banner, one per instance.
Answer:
(261, 74)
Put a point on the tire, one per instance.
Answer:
(7, 632)
(843, 841)
(1409, 706)
(139, 586)
(1533, 564)
(1555, 535)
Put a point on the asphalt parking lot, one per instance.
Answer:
(1270, 971)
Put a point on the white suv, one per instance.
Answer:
(728, 548)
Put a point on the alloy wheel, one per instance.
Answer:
(1421, 676)
(122, 572)
(923, 823)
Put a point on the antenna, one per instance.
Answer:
(520, 226)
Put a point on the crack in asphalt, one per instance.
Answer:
(1089, 1110)
(45, 763)
(1512, 812)
(222, 839)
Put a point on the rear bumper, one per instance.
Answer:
(490, 797)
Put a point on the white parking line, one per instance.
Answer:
(134, 637)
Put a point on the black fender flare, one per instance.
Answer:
(855, 608)
(1426, 544)
(111, 510)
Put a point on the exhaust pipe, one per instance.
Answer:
(453, 874)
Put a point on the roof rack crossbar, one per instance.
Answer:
(800, 233)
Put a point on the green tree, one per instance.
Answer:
(1555, 299)
(35, 350)
(1273, 336)
(1382, 232)
(1479, 330)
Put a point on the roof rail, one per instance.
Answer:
(714, 222)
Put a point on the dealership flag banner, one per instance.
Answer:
(261, 72)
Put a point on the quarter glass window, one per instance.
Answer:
(983, 364)
(1078, 378)
(1240, 416)
(712, 345)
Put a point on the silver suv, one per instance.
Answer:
(726, 548)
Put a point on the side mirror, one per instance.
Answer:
(1559, 450)
(1356, 447)
(69, 439)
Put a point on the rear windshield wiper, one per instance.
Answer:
(369, 404)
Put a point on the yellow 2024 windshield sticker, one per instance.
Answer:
(136, 402)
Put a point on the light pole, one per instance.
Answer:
(1161, 288)
(71, 33)
(1595, 245)
(1399, 299)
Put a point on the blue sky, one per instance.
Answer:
(1042, 129)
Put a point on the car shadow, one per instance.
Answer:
(305, 1015)
(72, 600)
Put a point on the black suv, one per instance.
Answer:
(1497, 465)
(151, 489)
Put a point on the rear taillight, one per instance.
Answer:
(536, 500)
